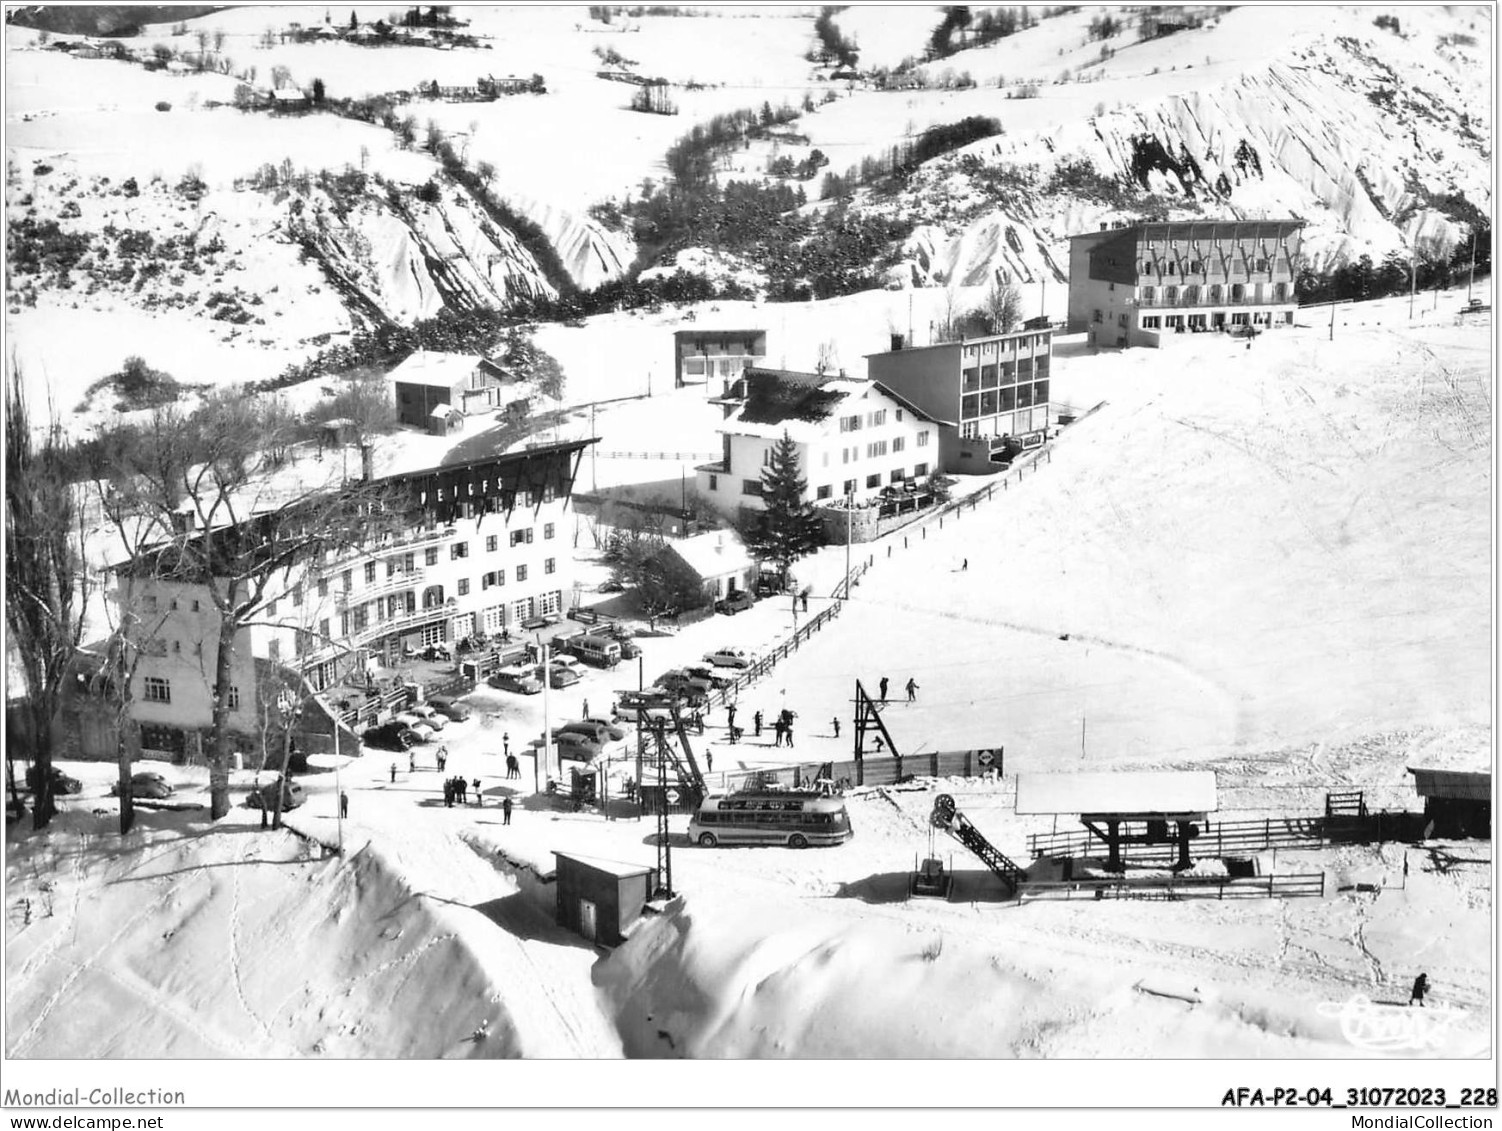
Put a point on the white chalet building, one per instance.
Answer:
(854, 437)
(487, 549)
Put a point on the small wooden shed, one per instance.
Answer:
(599, 898)
(1459, 804)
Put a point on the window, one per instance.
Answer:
(1121, 319)
(492, 543)
(1261, 265)
(195, 606)
(751, 487)
(849, 488)
(1238, 292)
(495, 577)
(390, 567)
(173, 604)
(458, 550)
(824, 492)
(430, 555)
(1170, 294)
(878, 418)
(550, 566)
(844, 455)
(897, 475)
(547, 531)
(1196, 266)
(232, 698)
(898, 443)
(1147, 267)
(1171, 268)
(874, 480)
(323, 587)
(521, 573)
(970, 405)
(826, 459)
(923, 438)
(1152, 322)
(766, 457)
(1095, 316)
(463, 587)
(971, 379)
(850, 423)
(1238, 319)
(876, 448)
(1147, 296)
(297, 595)
(158, 690)
(271, 609)
(920, 470)
(521, 537)
(899, 416)
(323, 629)
(370, 573)
(714, 482)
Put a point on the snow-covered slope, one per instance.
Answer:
(1370, 137)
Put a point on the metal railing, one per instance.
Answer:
(382, 587)
(1180, 302)
(1233, 837)
(1283, 886)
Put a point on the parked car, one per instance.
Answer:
(450, 707)
(613, 728)
(417, 725)
(693, 688)
(571, 744)
(429, 714)
(520, 678)
(390, 736)
(630, 649)
(61, 782)
(562, 675)
(716, 677)
(610, 586)
(533, 624)
(597, 732)
(148, 785)
(264, 797)
(737, 602)
(729, 657)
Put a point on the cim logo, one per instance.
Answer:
(1391, 1028)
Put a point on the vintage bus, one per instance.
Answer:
(796, 818)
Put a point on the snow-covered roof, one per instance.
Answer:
(713, 554)
(774, 401)
(427, 367)
(289, 96)
(621, 868)
(1452, 785)
(444, 411)
(1139, 793)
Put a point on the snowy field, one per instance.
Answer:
(1269, 562)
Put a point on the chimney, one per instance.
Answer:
(897, 342)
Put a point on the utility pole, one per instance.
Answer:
(1043, 296)
(849, 523)
(546, 752)
(1413, 280)
(593, 435)
(1332, 321)
(1472, 282)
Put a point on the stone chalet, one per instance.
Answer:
(436, 391)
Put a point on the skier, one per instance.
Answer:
(912, 689)
(506, 810)
(1420, 988)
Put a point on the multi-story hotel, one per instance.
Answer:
(1134, 285)
(853, 438)
(989, 393)
(485, 550)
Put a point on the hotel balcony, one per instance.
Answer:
(1158, 302)
(401, 580)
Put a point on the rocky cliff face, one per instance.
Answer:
(1374, 141)
(402, 259)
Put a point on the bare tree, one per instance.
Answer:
(218, 39)
(829, 357)
(950, 324)
(47, 586)
(203, 38)
(486, 172)
(216, 522)
(1002, 307)
(280, 76)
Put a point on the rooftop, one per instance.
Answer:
(1134, 794)
(713, 553)
(968, 341)
(1204, 229)
(1452, 785)
(426, 367)
(620, 868)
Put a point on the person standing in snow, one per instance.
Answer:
(343, 804)
(709, 759)
(729, 715)
(1420, 988)
(883, 686)
(506, 745)
(448, 793)
(756, 719)
(779, 727)
(836, 721)
(506, 810)
(912, 689)
(393, 773)
(411, 762)
(479, 797)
